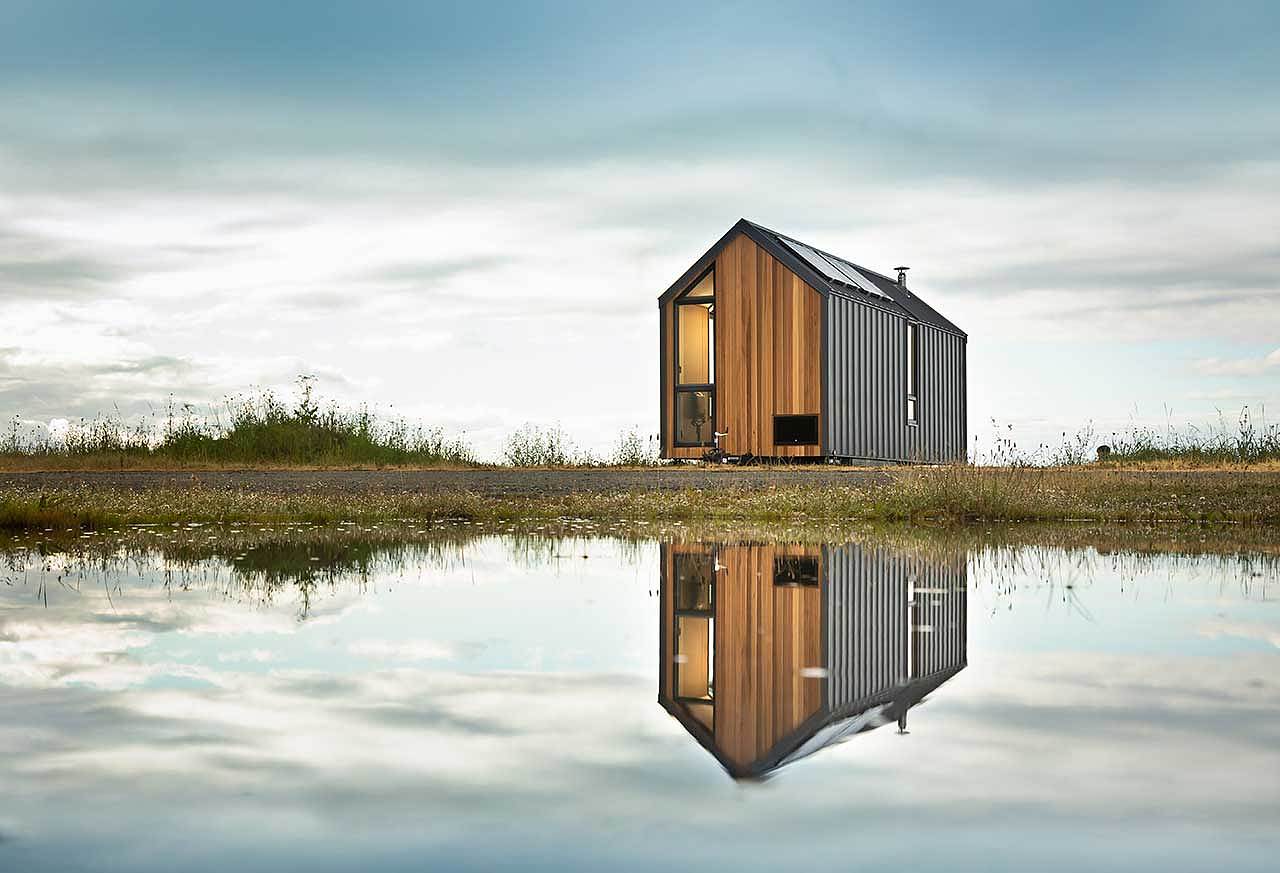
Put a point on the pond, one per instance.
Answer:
(335, 699)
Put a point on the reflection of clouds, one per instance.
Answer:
(259, 656)
(1068, 731)
(403, 650)
(1088, 737)
(84, 637)
(1245, 630)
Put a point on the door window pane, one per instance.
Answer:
(693, 580)
(693, 417)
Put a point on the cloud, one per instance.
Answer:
(1239, 366)
(1244, 630)
(402, 650)
(44, 268)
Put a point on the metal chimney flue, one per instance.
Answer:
(902, 275)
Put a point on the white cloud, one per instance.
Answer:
(1245, 630)
(402, 650)
(1239, 366)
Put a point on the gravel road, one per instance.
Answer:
(488, 482)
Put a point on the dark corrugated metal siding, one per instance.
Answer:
(869, 613)
(939, 618)
(866, 614)
(866, 414)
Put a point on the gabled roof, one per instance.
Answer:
(826, 727)
(824, 272)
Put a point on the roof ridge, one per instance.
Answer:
(822, 252)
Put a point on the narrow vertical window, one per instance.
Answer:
(913, 378)
(695, 363)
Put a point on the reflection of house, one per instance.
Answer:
(771, 652)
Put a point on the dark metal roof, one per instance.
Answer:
(825, 273)
(824, 728)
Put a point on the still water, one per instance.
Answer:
(302, 699)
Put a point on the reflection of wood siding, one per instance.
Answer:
(765, 636)
(768, 353)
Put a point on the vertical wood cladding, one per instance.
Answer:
(766, 635)
(768, 353)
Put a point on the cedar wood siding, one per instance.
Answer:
(765, 635)
(768, 354)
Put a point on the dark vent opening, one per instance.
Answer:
(793, 570)
(795, 430)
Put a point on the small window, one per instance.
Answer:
(704, 287)
(913, 378)
(795, 430)
(791, 571)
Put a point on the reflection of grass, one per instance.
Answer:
(262, 564)
(945, 495)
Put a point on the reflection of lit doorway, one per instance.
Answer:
(695, 638)
(695, 363)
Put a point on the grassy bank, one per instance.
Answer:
(249, 430)
(945, 495)
(264, 431)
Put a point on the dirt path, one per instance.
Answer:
(487, 482)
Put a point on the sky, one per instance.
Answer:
(463, 214)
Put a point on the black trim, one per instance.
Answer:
(664, 584)
(663, 435)
(824, 407)
(825, 553)
(913, 370)
(701, 265)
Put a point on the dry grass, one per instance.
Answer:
(938, 495)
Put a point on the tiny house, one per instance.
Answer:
(772, 348)
(769, 653)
